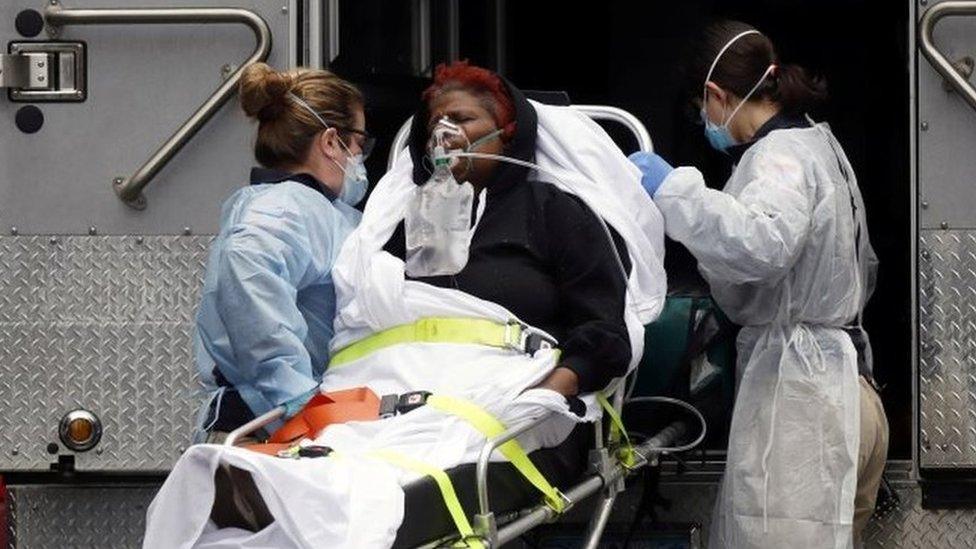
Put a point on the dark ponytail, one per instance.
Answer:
(796, 91)
(743, 64)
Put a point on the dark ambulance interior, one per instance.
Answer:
(629, 55)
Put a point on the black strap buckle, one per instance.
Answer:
(533, 341)
(525, 339)
(411, 401)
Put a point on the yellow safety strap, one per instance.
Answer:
(434, 330)
(468, 539)
(490, 427)
(618, 433)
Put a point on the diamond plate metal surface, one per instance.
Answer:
(947, 349)
(102, 323)
(908, 525)
(79, 518)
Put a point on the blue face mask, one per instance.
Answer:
(719, 137)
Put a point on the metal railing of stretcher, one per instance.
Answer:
(606, 471)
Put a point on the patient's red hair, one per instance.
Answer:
(460, 75)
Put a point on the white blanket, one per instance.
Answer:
(356, 500)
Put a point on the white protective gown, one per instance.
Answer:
(781, 251)
(353, 499)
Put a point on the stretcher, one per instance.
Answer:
(592, 461)
(496, 499)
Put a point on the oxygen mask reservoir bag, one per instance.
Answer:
(438, 219)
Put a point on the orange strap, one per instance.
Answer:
(324, 409)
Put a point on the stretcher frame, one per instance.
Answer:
(605, 476)
(606, 471)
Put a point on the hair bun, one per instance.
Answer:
(262, 92)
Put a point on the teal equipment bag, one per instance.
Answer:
(689, 353)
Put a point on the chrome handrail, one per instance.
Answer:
(596, 112)
(930, 18)
(130, 190)
(334, 43)
(420, 37)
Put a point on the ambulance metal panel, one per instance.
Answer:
(80, 518)
(102, 323)
(947, 135)
(144, 81)
(91, 315)
(946, 257)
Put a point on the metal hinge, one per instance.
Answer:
(44, 71)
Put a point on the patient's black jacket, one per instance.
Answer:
(542, 254)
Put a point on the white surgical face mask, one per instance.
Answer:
(719, 136)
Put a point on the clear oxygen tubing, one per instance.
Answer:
(498, 157)
(623, 271)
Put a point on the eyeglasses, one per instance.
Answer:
(367, 143)
(368, 140)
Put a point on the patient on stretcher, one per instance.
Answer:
(545, 312)
(536, 250)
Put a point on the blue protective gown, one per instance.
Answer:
(268, 300)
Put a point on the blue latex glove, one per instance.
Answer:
(654, 168)
(296, 404)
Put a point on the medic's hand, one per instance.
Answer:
(654, 168)
(296, 404)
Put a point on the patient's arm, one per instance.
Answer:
(595, 345)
